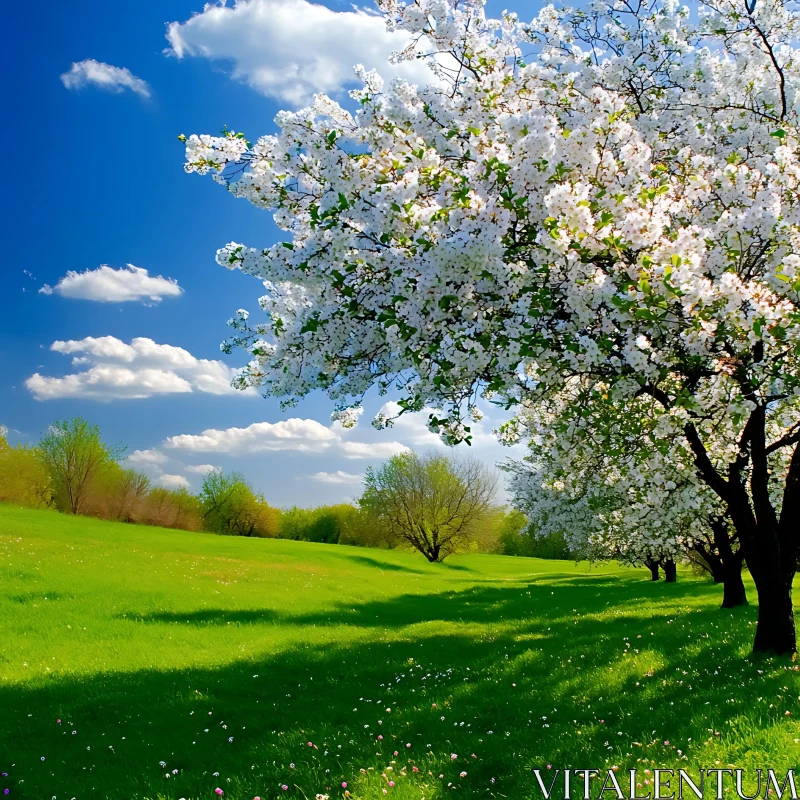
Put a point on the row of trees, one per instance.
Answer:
(73, 470)
(433, 503)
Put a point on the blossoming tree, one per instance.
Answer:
(615, 488)
(610, 193)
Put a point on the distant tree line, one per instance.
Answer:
(434, 503)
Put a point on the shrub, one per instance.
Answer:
(23, 477)
(172, 508)
(342, 523)
(116, 493)
(517, 537)
(230, 506)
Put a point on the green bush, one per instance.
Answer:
(517, 537)
(337, 524)
(230, 506)
(23, 477)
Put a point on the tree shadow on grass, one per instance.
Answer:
(481, 604)
(515, 687)
(367, 561)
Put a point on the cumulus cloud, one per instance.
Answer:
(411, 427)
(147, 458)
(172, 481)
(338, 477)
(293, 49)
(108, 285)
(90, 72)
(374, 450)
(200, 469)
(299, 435)
(143, 368)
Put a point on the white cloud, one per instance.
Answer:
(411, 427)
(376, 450)
(338, 477)
(173, 482)
(147, 458)
(290, 434)
(103, 76)
(141, 369)
(293, 49)
(200, 469)
(299, 435)
(108, 285)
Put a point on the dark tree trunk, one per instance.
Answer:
(768, 548)
(717, 572)
(775, 631)
(769, 544)
(730, 566)
(710, 561)
(433, 554)
(670, 571)
(733, 593)
(653, 567)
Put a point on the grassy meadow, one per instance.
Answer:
(137, 662)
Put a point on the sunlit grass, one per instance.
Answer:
(248, 665)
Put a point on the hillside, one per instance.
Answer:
(146, 663)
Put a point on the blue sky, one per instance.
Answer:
(94, 177)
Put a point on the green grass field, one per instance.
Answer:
(144, 663)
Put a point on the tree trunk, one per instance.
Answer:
(730, 565)
(670, 571)
(653, 567)
(775, 631)
(768, 544)
(717, 570)
(733, 593)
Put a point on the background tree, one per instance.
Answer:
(23, 476)
(75, 455)
(173, 508)
(117, 493)
(432, 502)
(230, 506)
